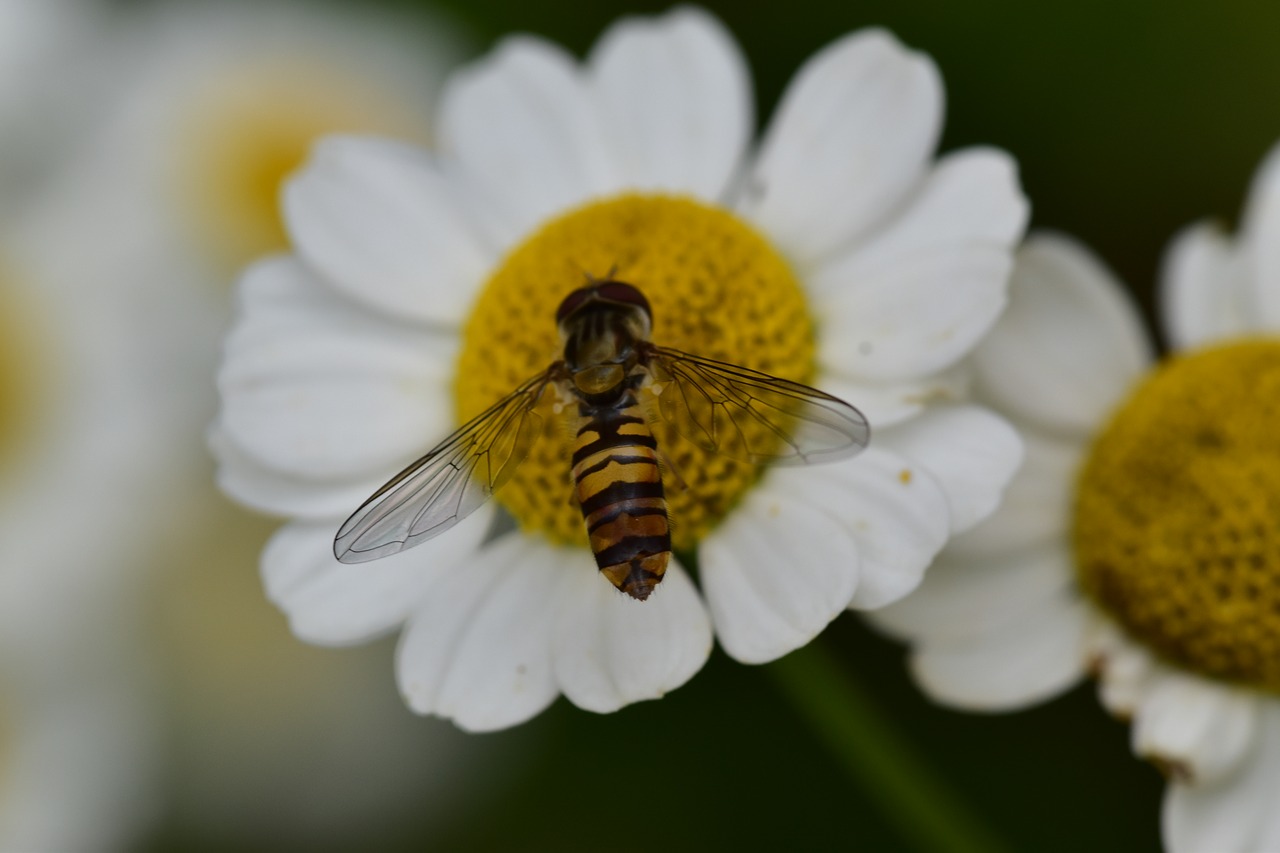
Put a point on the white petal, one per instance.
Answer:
(776, 572)
(1036, 507)
(521, 128)
(920, 316)
(851, 138)
(922, 292)
(675, 98)
(611, 650)
(971, 452)
(257, 486)
(330, 603)
(962, 599)
(478, 648)
(1126, 671)
(971, 197)
(1261, 239)
(1202, 292)
(315, 387)
(1018, 664)
(380, 223)
(1196, 727)
(899, 515)
(1237, 813)
(886, 404)
(1069, 347)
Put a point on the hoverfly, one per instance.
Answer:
(614, 379)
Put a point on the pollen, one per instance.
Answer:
(1177, 516)
(244, 131)
(717, 289)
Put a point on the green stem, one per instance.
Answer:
(879, 760)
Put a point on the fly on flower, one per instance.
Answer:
(611, 381)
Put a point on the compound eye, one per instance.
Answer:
(626, 294)
(573, 302)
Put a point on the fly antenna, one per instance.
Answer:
(591, 279)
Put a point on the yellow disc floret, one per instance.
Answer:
(246, 130)
(717, 288)
(1177, 525)
(19, 362)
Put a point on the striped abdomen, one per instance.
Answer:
(619, 486)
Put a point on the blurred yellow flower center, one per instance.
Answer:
(1177, 525)
(717, 289)
(245, 131)
(17, 384)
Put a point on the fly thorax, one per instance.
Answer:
(592, 382)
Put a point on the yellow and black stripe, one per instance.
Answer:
(619, 486)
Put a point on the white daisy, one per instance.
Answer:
(221, 101)
(1139, 540)
(423, 286)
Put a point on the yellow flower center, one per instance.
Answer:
(19, 391)
(717, 288)
(244, 132)
(1177, 525)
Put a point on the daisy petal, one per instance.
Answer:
(898, 521)
(302, 371)
(523, 132)
(902, 325)
(1070, 345)
(1236, 813)
(922, 293)
(971, 197)
(478, 648)
(675, 96)
(775, 573)
(263, 489)
(1036, 508)
(1015, 665)
(850, 139)
(886, 404)
(1126, 671)
(1198, 728)
(330, 603)
(899, 516)
(970, 451)
(611, 650)
(1201, 284)
(962, 599)
(378, 221)
(1261, 225)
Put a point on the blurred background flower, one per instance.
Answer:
(1127, 121)
(174, 694)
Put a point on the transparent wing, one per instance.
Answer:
(449, 483)
(751, 416)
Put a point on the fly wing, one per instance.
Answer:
(751, 416)
(449, 483)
